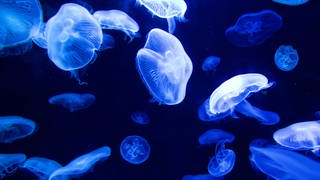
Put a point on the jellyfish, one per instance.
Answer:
(164, 67)
(200, 177)
(210, 63)
(13, 128)
(40, 39)
(140, 118)
(73, 35)
(20, 21)
(253, 29)
(265, 117)
(212, 136)
(291, 2)
(286, 58)
(83, 163)
(135, 149)
(9, 163)
(229, 94)
(317, 114)
(168, 9)
(280, 163)
(73, 101)
(117, 20)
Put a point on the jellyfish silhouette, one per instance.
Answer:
(135, 149)
(83, 163)
(164, 67)
(140, 118)
(210, 63)
(9, 163)
(201, 177)
(13, 128)
(212, 136)
(168, 9)
(73, 101)
(286, 58)
(253, 29)
(291, 2)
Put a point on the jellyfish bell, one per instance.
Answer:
(9, 163)
(291, 2)
(212, 136)
(222, 163)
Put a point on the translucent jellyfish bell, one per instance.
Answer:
(291, 2)
(73, 101)
(164, 67)
(200, 177)
(212, 136)
(135, 149)
(140, 118)
(9, 163)
(210, 63)
(286, 58)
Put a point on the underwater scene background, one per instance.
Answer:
(30, 79)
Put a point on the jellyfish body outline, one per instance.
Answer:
(213, 136)
(135, 149)
(9, 163)
(291, 2)
(73, 101)
(286, 58)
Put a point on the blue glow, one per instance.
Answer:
(9, 163)
(13, 128)
(140, 118)
(83, 163)
(291, 2)
(210, 63)
(135, 149)
(252, 29)
(286, 58)
(73, 101)
(212, 136)
(164, 67)
(317, 114)
(222, 163)
(200, 177)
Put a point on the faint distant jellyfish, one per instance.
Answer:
(286, 58)
(291, 2)
(164, 67)
(317, 114)
(210, 63)
(9, 163)
(135, 149)
(140, 118)
(13, 128)
(169, 9)
(253, 29)
(73, 101)
(82, 164)
(200, 177)
(212, 136)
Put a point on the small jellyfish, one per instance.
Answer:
(210, 63)
(265, 117)
(286, 58)
(253, 29)
(164, 67)
(212, 136)
(291, 2)
(9, 163)
(168, 9)
(317, 114)
(73, 101)
(83, 163)
(135, 149)
(117, 20)
(200, 177)
(140, 118)
(13, 128)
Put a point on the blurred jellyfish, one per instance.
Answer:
(280, 163)
(252, 29)
(200, 177)
(286, 58)
(135, 149)
(291, 2)
(73, 101)
(73, 36)
(140, 118)
(9, 163)
(212, 136)
(169, 9)
(210, 63)
(164, 67)
(222, 101)
(317, 114)
(265, 117)
(117, 20)
(82, 164)
(13, 128)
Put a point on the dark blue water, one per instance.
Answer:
(27, 81)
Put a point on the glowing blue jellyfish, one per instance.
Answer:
(83, 163)
(117, 20)
(252, 29)
(73, 36)
(212, 136)
(317, 114)
(13, 128)
(164, 67)
(229, 94)
(140, 118)
(73, 101)
(286, 58)
(291, 2)
(265, 117)
(210, 63)
(280, 163)
(9, 163)
(200, 177)
(169, 9)
(135, 149)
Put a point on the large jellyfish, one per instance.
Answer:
(210, 63)
(252, 29)
(140, 118)
(13, 128)
(164, 67)
(291, 2)
(212, 136)
(9, 163)
(135, 149)
(169, 9)
(286, 58)
(73, 101)
(83, 163)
